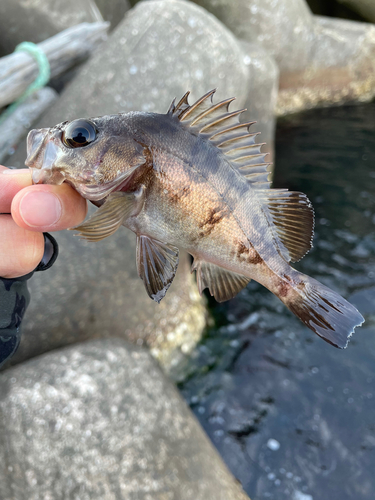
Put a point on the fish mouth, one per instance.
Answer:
(96, 192)
(42, 154)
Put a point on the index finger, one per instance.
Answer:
(12, 181)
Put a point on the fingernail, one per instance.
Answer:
(40, 209)
(15, 171)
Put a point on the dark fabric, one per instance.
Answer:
(14, 299)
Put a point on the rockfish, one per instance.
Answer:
(194, 178)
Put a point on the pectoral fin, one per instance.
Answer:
(109, 217)
(156, 264)
(222, 284)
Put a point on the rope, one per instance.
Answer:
(40, 81)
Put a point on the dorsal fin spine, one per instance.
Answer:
(253, 165)
(223, 118)
(215, 123)
(227, 143)
(212, 109)
(253, 169)
(246, 125)
(247, 160)
(192, 108)
(172, 107)
(244, 148)
(183, 100)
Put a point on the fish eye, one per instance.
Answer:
(79, 133)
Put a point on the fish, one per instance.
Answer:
(195, 179)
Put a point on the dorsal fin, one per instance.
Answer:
(221, 127)
(292, 217)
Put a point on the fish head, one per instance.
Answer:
(96, 156)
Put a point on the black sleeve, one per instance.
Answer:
(14, 299)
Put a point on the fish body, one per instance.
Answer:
(194, 179)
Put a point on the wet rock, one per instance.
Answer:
(113, 10)
(36, 20)
(322, 61)
(100, 421)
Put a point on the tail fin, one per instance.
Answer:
(324, 311)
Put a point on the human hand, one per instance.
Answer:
(26, 211)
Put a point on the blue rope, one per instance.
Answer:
(40, 81)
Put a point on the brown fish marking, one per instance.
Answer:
(247, 253)
(283, 288)
(213, 218)
(307, 315)
(176, 196)
(285, 285)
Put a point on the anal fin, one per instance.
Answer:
(222, 284)
(110, 216)
(157, 265)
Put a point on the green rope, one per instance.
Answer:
(40, 81)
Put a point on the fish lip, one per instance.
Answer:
(46, 174)
(35, 141)
(42, 153)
